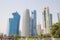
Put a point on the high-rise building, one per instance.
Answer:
(46, 20)
(33, 23)
(39, 29)
(50, 19)
(25, 28)
(14, 24)
(58, 16)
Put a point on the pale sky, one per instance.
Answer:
(7, 7)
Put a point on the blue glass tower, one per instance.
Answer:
(50, 19)
(33, 24)
(14, 24)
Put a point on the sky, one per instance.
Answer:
(7, 7)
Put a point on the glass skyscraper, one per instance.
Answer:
(50, 19)
(58, 14)
(33, 23)
(14, 24)
(46, 20)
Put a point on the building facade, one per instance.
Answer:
(39, 29)
(33, 23)
(14, 24)
(50, 19)
(25, 28)
(46, 20)
(58, 14)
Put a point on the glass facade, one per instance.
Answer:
(50, 19)
(46, 20)
(58, 14)
(45, 17)
(14, 24)
(33, 24)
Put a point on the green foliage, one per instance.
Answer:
(44, 35)
(40, 36)
(55, 30)
(31, 38)
(15, 36)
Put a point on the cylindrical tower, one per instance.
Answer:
(26, 24)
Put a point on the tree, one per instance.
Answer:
(42, 36)
(1, 37)
(55, 30)
(15, 36)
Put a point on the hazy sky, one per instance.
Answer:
(7, 7)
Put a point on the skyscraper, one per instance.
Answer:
(14, 24)
(46, 20)
(39, 29)
(50, 19)
(25, 31)
(58, 16)
(33, 23)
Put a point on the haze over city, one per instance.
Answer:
(7, 7)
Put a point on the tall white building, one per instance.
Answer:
(25, 31)
(46, 20)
